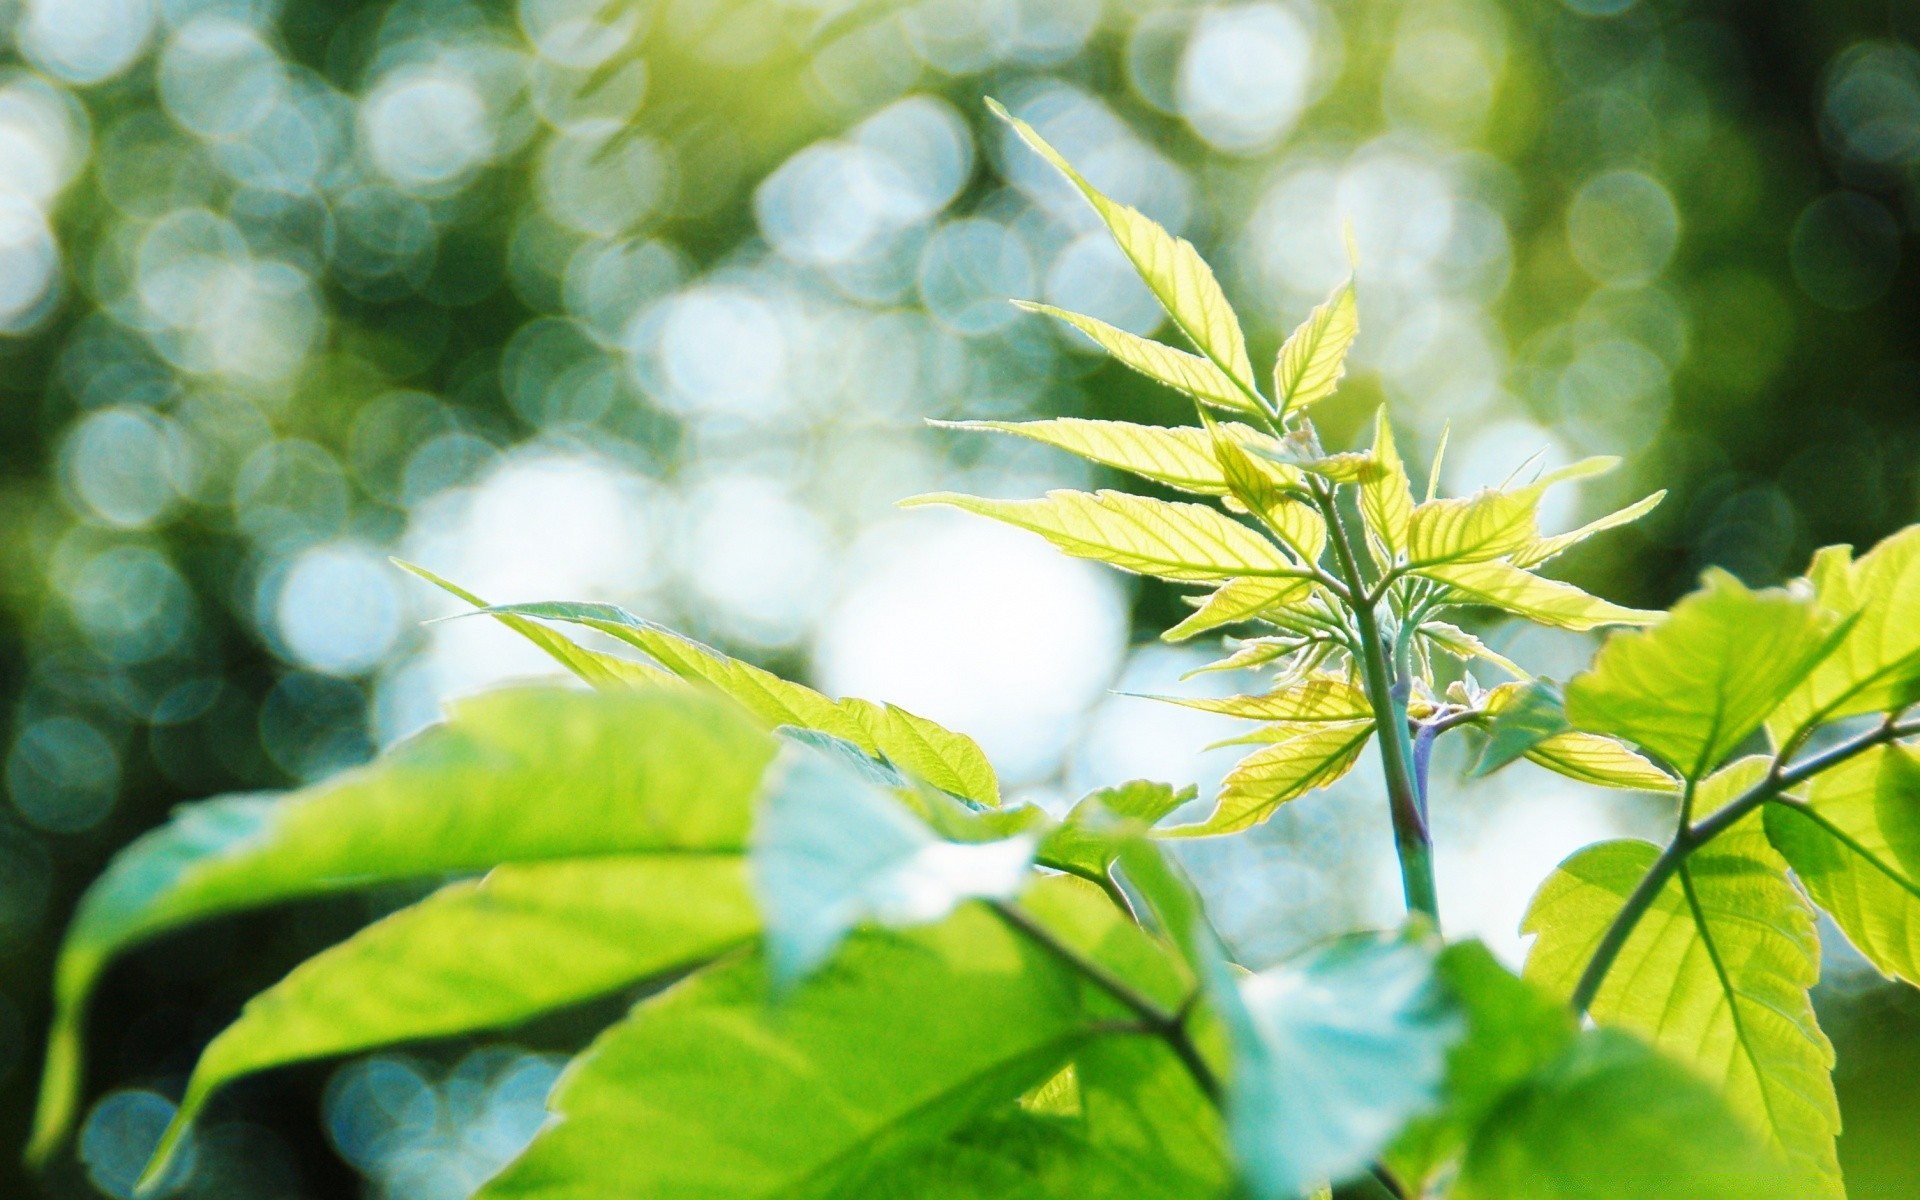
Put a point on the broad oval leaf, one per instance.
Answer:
(1542, 601)
(1194, 374)
(641, 771)
(1177, 541)
(1314, 356)
(1695, 686)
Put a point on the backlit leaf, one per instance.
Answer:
(1520, 716)
(1298, 525)
(1558, 544)
(1486, 525)
(1601, 761)
(1088, 840)
(1303, 757)
(1695, 686)
(1314, 356)
(1193, 374)
(1543, 601)
(1181, 542)
(1876, 667)
(1386, 494)
(1463, 645)
(1239, 600)
(1180, 456)
(1315, 698)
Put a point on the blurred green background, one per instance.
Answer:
(647, 302)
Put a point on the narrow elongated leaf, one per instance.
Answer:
(1552, 547)
(1333, 1053)
(1463, 645)
(1314, 356)
(1298, 525)
(1171, 268)
(1486, 525)
(1193, 374)
(1694, 687)
(1716, 973)
(1315, 698)
(1876, 667)
(484, 954)
(1855, 844)
(1179, 456)
(1302, 757)
(1611, 1119)
(1386, 494)
(1542, 601)
(718, 1088)
(832, 850)
(640, 771)
(940, 756)
(1181, 542)
(1520, 717)
(1240, 600)
(1601, 761)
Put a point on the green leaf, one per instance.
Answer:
(1334, 1052)
(940, 756)
(1542, 601)
(1088, 840)
(1139, 1102)
(831, 851)
(1526, 715)
(1466, 647)
(1298, 525)
(1612, 1120)
(640, 771)
(1486, 525)
(1303, 757)
(1171, 268)
(1386, 494)
(1855, 845)
(719, 1088)
(1240, 600)
(1180, 456)
(1601, 761)
(1177, 541)
(483, 954)
(1716, 973)
(1876, 667)
(1193, 374)
(1314, 698)
(1315, 354)
(1695, 686)
(1552, 547)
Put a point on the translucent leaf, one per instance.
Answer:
(1695, 686)
(1193, 374)
(1251, 653)
(1520, 717)
(1314, 356)
(1386, 494)
(1855, 845)
(1876, 667)
(1601, 761)
(1298, 525)
(1181, 542)
(1463, 645)
(1543, 601)
(1239, 600)
(1716, 973)
(940, 756)
(1552, 547)
(1486, 525)
(1172, 269)
(1180, 456)
(1315, 698)
(1088, 840)
(1302, 757)
(1333, 1053)
(718, 1088)
(641, 771)
(484, 954)
(832, 851)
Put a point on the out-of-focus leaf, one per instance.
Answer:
(1239, 600)
(639, 771)
(1193, 374)
(1716, 973)
(1314, 356)
(1171, 268)
(1315, 698)
(1694, 687)
(1542, 601)
(1334, 1053)
(831, 851)
(1855, 844)
(1614, 1120)
(1177, 541)
(1528, 715)
(1601, 761)
(941, 756)
(484, 954)
(1386, 494)
(1463, 645)
(1552, 547)
(1303, 757)
(1180, 456)
(1876, 667)
(1088, 840)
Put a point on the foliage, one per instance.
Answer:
(878, 973)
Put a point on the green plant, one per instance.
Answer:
(884, 981)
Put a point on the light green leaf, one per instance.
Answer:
(1240, 600)
(1088, 840)
(1542, 601)
(1334, 1052)
(640, 771)
(1298, 525)
(718, 1088)
(1695, 686)
(832, 850)
(1315, 354)
(484, 954)
(1181, 542)
(1314, 698)
(1463, 645)
(1302, 757)
(1179, 456)
(1520, 717)
(1250, 653)
(1171, 268)
(1876, 667)
(1552, 547)
(1716, 973)
(1855, 845)
(1601, 761)
(1486, 525)
(940, 756)
(1193, 374)
(1386, 494)
(1611, 1119)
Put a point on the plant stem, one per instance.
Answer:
(1411, 840)
(1691, 837)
